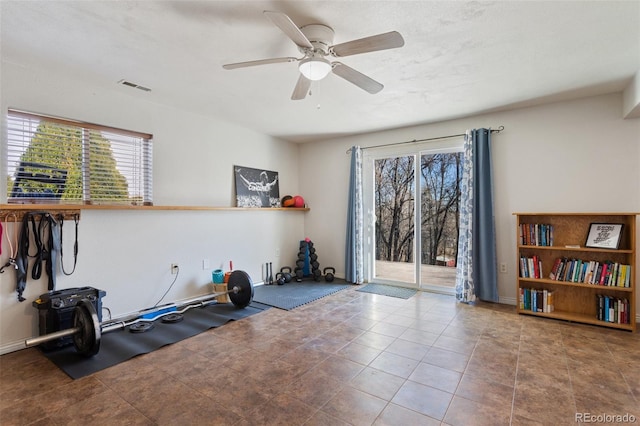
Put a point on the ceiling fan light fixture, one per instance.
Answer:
(315, 69)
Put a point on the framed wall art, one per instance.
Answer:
(256, 187)
(604, 235)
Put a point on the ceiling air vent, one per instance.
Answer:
(134, 85)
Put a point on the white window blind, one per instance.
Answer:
(63, 161)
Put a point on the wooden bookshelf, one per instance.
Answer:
(574, 297)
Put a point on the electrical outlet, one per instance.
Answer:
(174, 268)
(278, 252)
(503, 268)
(205, 264)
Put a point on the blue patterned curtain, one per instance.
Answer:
(476, 274)
(354, 265)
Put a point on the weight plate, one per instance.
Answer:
(85, 318)
(244, 296)
(172, 318)
(141, 327)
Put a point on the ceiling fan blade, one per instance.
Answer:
(258, 62)
(362, 81)
(288, 27)
(384, 41)
(302, 88)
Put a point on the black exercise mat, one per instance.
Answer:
(121, 345)
(294, 294)
(388, 290)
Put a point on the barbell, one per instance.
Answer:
(87, 330)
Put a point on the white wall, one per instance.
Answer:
(564, 157)
(128, 253)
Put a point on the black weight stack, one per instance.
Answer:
(55, 311)
(307, 264)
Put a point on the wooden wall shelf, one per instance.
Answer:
(71, 210)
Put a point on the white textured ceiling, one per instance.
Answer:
(460, 57)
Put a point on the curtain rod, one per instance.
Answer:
(498, 130)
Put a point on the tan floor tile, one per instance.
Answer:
(354, 406)
(394, 364)
(463, 346)
(426, 400)
(377, 383)
(485, 391)
(374, 340)
(408, 349)
(419, 336)
(359, 353)
(446, 359)
(320, 418)
(350, 358)
(284, 409)
(394, 415)
(315, 388)
(387, 329)
(436, 377)
(464, 412)
(339, 368)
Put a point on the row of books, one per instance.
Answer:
(611, 309)
(606, 273)
(530, 267)
(535, 234)
(536, 300)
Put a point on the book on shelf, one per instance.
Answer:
(530, 267)
(536, 300)
(607, 273)
(612, 309)
(535, 234)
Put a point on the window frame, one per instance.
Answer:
(141, 155)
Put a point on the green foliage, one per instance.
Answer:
(61, 147)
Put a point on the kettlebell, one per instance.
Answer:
(280, 278)
(329, 274)
(286, 273)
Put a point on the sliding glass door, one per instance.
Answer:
(412, 200)
(440, 176)
(394, 224)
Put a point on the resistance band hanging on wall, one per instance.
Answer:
(76, 219)
(47, 237)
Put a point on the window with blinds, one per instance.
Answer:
(53, 160)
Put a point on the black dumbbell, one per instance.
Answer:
(317, 274)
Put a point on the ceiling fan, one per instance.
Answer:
(315, 42)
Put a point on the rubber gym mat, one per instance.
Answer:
(291, 295)
(388, 290)
(121, 345)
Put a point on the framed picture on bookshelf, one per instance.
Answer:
(604, 235)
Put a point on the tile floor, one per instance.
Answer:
(350, 358)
